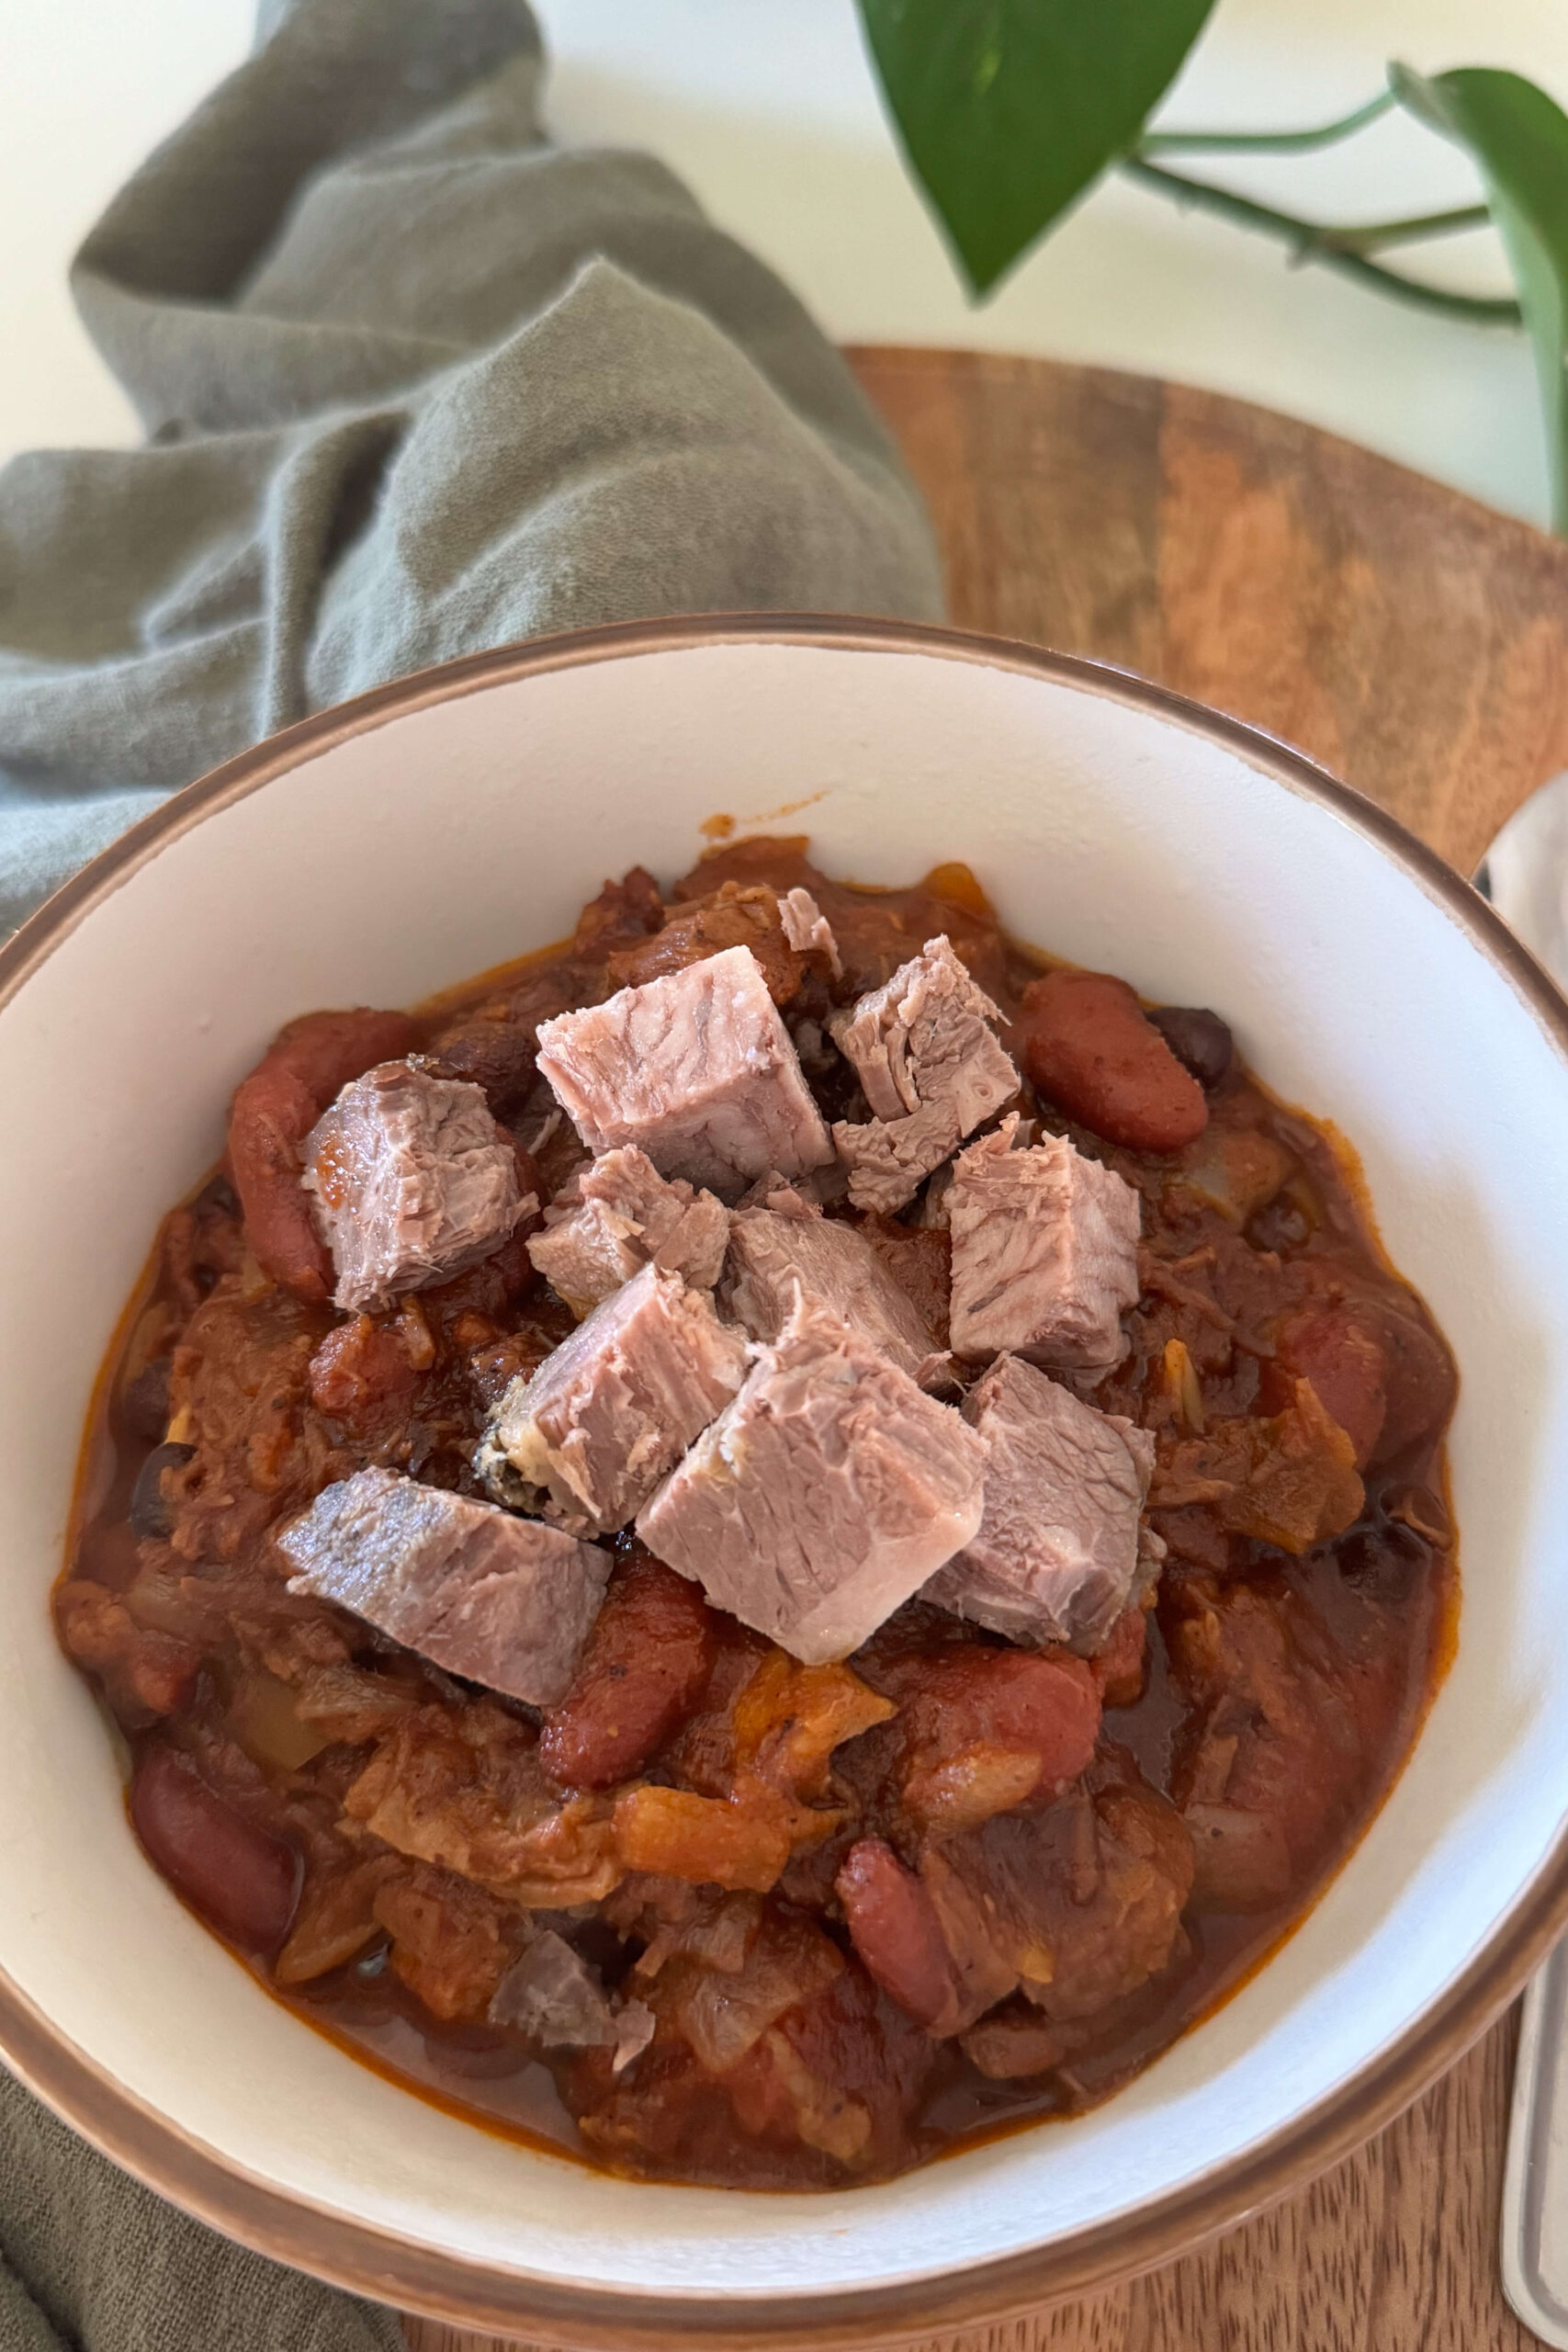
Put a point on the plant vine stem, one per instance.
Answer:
(1309, 241)
(1267, 142)
(1373, 235)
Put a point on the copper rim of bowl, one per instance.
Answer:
(397, 2269)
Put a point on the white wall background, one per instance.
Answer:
(768, 109)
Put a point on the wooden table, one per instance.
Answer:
(1418, 645)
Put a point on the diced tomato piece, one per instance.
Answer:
(361, 1374)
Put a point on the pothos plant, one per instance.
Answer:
(1008, 110)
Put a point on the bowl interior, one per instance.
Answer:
(454, 836)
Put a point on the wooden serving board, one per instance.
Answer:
(1416, 644)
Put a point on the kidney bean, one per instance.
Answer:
(273, 1112)
(1201, 1041)
(1337, 1348)
(645, 1667)
(324, 1050)
(1422, 1382)
(239, 1877)
(149, 1513)
(894, 1928)
(1088, 1044)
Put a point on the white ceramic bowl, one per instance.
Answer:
(442, 825)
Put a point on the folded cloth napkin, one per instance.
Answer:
(415, 381)
(90, 2262)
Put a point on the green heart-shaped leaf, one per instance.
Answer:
(1008, 109)
(1519, 138)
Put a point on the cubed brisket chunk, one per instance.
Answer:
(502, 1601)
(588, 1437)
(1057, 1553)
(413, 1181)
(925, 1036)
(618, 1215)
(772, 1254)
(923, 1048)
(807, 929)
(889, 1159)
(824, 1496)
(1045, 1254)
(696, 1069)
(272, 1114)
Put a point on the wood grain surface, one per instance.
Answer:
(1416, 644)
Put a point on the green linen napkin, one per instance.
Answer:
(414, 381)
(90, 2262)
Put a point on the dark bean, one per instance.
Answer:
(1385, 1560)
(149, 1513)
(242, 1878)
(145, 1401)
(1201, 1041)
(219, 1193)
(1424, 1513)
